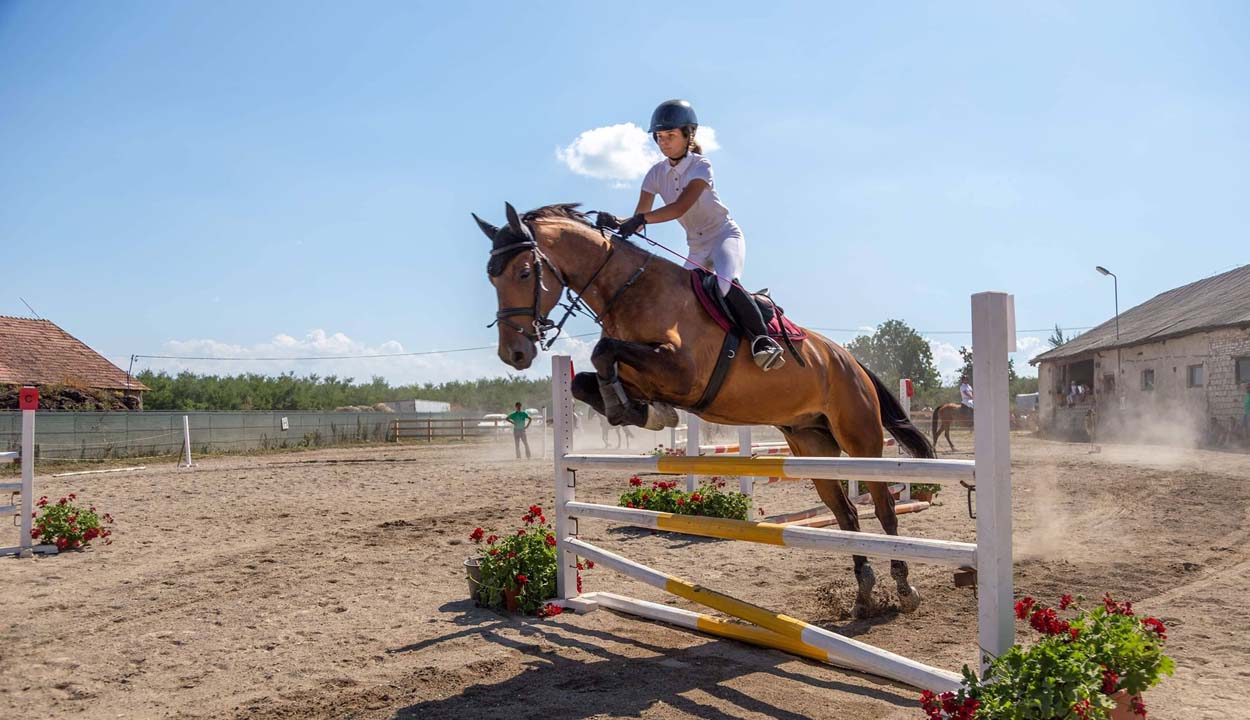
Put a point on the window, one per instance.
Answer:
(1193, 376)
(1147, 379)
(1243, 370)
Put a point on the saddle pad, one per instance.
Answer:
(715, 311)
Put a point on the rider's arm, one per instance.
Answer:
(674, 210)
(646, 201)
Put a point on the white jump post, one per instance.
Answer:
(993, 337)
(904, 398)
(186, 443)
(28, 402)
(746, 483)
(694, 427)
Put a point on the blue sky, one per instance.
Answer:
(295, 179)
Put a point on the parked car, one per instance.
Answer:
(495, 421)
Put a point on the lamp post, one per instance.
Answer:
(1119, 381)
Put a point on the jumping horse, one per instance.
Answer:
(659, 348)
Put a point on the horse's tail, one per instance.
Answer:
(898, 424)
(937, 415)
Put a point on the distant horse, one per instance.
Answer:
(948, 415)
(659, 348)
(605, 426)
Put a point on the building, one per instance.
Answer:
(1175, 371)
(424, 407)
(37, 352)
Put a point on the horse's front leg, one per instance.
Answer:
(659, 374)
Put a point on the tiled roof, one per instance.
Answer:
(1219, 301)
(38, 352)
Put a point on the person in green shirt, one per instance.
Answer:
(520, 420)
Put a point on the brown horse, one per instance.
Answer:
(948, 415)
(659, 347)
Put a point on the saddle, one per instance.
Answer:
(706, 288)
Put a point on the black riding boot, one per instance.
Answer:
(765, 351)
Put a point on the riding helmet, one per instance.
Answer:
(673, 115)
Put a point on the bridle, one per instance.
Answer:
(541, 324)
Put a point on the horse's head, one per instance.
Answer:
(527, 284)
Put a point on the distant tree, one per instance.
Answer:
(897, 351)
(1057, 338)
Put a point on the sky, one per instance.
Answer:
(294, 179)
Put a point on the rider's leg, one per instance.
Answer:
(729, 258)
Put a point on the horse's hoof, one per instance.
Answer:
(909, 601)
(862, 610)
(660, 416)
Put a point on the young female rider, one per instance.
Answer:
(684, 180)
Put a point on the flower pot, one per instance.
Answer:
(509, 599)
(922, 495)
(1123, 706)
(473, 570)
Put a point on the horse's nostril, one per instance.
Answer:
(517, 356)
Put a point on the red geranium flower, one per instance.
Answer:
(1064, 602)
(1024, 607)
(521, 579)
(1110, 682)
(635, 481)
(551, 540)
(1157, 626)
(1139, 708)
(476, 535)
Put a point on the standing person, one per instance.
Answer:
(520, 421)
(683, 179)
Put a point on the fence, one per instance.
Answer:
(100, 435)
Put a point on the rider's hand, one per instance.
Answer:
(632, 225)
(606, 219)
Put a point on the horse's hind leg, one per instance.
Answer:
(883, 503)
(864, 439)
(817, 441)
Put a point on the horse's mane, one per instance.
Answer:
(558, 211)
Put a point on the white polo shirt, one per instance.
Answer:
(707, 220)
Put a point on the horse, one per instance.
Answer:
(659, 347)
(948, 415)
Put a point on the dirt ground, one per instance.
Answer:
(329, 584)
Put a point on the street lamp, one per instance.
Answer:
(1119, 381)
(1116, 285)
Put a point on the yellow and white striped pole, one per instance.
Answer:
(841, 650)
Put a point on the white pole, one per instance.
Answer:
(693, 425)
(746, 483)
(905, 400)
(186, 443)
(993, 336)
(27, 543)
(562, 404)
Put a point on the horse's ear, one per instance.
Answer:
(487, 228)
(514, 222)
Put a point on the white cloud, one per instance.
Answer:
(619, 152)
(946, 359)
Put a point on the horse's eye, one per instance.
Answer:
(525, 272)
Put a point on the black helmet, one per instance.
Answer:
(672, 115)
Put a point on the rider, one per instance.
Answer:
(684, 179)
(965, 393)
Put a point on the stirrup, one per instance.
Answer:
(767, 353)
